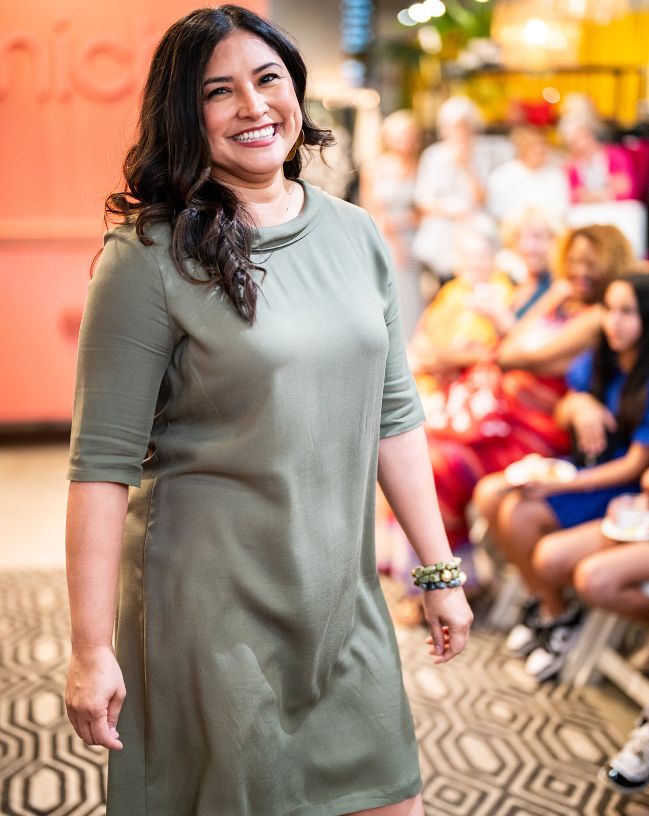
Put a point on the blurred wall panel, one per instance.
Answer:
(70, 77)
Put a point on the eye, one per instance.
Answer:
(217, 92)
(268, 78)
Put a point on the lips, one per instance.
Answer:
(256, 135)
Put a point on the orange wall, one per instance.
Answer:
(70, 74)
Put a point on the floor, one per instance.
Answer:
(492, 743)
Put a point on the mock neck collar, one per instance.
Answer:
(268, 239)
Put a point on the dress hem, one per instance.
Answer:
(377, 797)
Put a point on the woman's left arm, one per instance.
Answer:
(406, 478)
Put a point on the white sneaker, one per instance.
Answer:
(524, 637)
(557, 638)
(628, 770)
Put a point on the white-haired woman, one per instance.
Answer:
(387, 192)
(451, 183)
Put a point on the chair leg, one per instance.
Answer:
(601, 630)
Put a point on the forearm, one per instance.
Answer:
(94, 530)
(406, 478)
(617, 472)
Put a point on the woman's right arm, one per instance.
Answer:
(95, 689)
(125, 346)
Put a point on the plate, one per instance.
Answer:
(610, 530)
(535, 468)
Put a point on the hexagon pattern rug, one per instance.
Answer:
(490, 743)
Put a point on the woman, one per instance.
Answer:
(603, 184)
(463, 321)
(607, 411)
(528, 238)
(534, 357)
(451, 183)
(242, 334)
(529, 180)
(387, 186)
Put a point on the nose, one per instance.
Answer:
(253, 105)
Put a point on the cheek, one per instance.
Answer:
(635, 329)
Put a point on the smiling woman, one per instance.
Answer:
(230, 423)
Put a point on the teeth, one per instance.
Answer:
(255, 135)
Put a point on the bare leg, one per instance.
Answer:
(488, 495)
(557, 555)
(411, 807)
(521, 523)
(611, 580)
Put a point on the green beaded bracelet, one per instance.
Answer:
(443, 575)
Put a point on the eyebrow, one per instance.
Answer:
(231, 79)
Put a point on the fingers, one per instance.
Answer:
(437, 637)
(97, 726)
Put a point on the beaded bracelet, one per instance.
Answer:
(443, 575)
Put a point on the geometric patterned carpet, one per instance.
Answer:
(491, 743)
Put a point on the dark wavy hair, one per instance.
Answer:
(168, 168)
(633, 399)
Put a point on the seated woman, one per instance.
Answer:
(608, 413)
(534, 357)
(612, 576)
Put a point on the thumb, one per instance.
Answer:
(114, 707)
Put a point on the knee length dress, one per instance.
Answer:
(261, 669)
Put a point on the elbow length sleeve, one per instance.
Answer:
(401, 408)
(125, 346)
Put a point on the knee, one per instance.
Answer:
(488, 495)
(593, 582)
(548, 560)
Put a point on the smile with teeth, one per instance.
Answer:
(256, 135)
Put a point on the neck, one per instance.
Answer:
(269, 201)
(627, 359)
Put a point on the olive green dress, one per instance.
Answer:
(261, 668)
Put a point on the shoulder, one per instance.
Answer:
(128, 260)
(348, 217)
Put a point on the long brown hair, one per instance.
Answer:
(168, 168)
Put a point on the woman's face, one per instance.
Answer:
(475, 259)
(581, 141)
(584, 270)
(405, 140)
(622, 321)
(251, 113)
(533, 245)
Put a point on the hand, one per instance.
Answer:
(538, 491)
(591, 420)
(449, 617)
(94, 695)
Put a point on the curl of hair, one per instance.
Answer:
(633, 399)
(168, 168)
